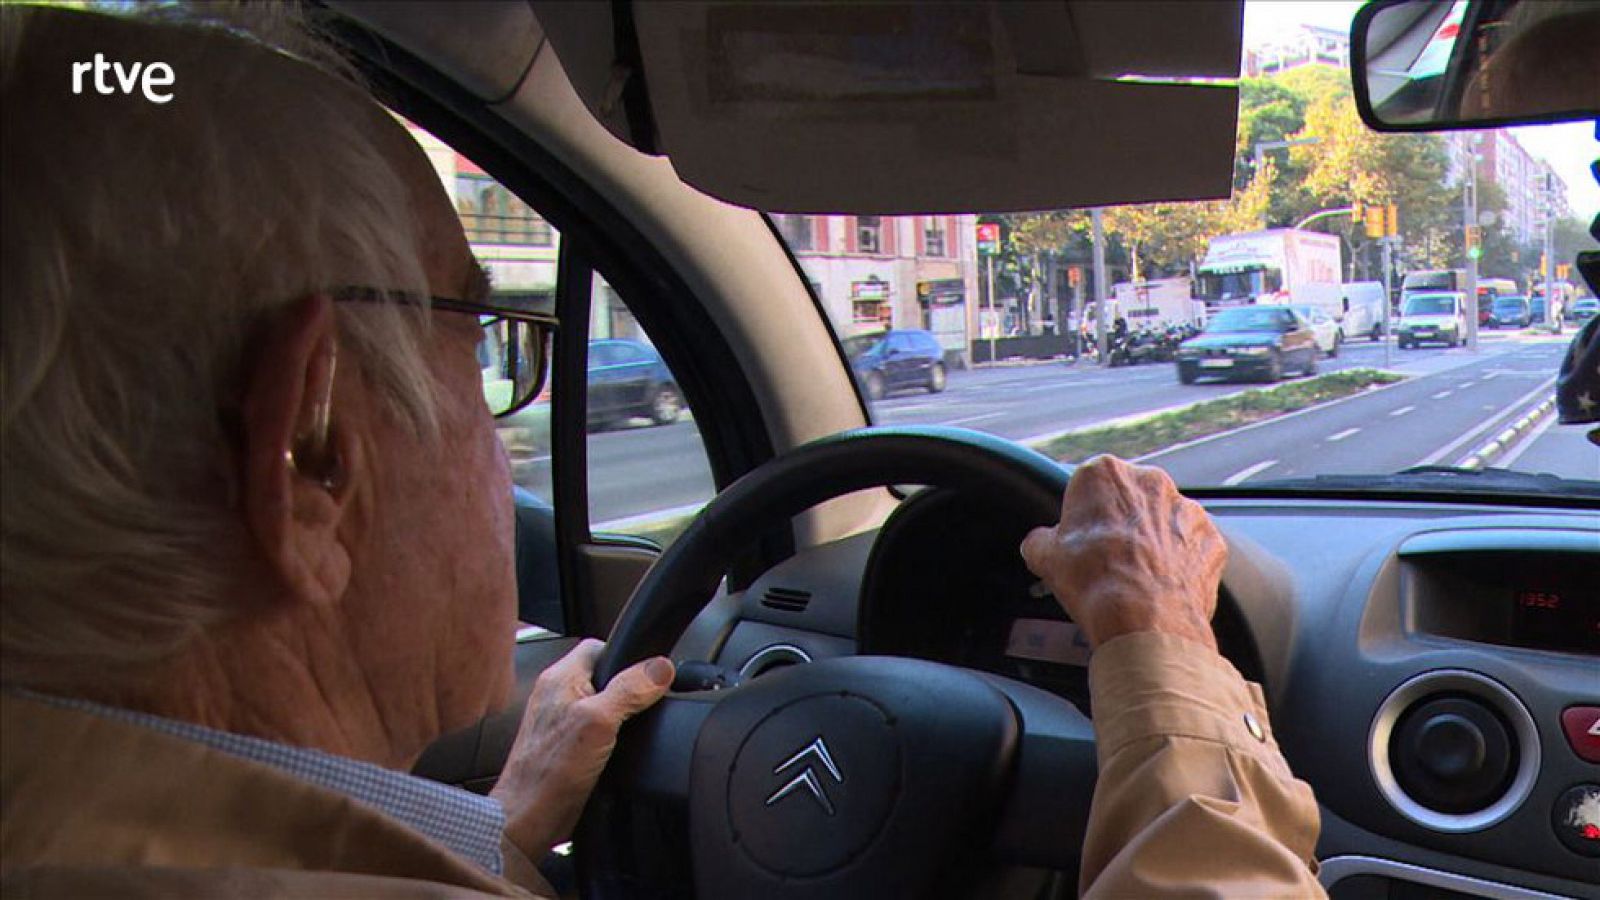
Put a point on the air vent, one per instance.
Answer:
(786, 599)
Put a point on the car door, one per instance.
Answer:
(899, 361)
(1299, 339)
(929, 353)
(1326, 330)
(635, 380)
(604, 374)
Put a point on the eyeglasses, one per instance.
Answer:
(514, 352)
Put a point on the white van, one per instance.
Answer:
(1432, 317)
(1361, 309)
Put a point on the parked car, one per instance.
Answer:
(1509, 312)
(1536, 312)
(1254, 342)
(1583, 310)
(1327, 330)
(888, 361)
(1432, 318)
(628, 380)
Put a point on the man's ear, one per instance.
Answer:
(297, 463)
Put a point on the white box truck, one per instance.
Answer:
(1157, 303)
(1284, 266)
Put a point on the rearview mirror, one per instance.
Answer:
(1425, 65)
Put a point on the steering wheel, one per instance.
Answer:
(856, 777)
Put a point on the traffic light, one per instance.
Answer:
(1374, 221)
(1357, 211)
(1475, 242)
(1544, 264)
(1563, 270)
(1391, 220)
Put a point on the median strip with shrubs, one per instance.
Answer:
(1134, 439)
(1140, 437)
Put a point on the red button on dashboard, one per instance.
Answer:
(1582, 726)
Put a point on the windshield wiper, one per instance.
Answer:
(1443, 479)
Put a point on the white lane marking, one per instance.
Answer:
(1466, 384)
(629, 523)
(907, 407)
(1342, 435)
(1402, 410)
(967, 420)
(1486, 424)
(1442, 394)
(1244, 474)
(1489, 375)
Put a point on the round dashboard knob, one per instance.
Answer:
(1452, 754)
(1451, 746)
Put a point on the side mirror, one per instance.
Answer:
(1422, 65)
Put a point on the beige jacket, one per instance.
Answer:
(1189, 803)
(1193, 799)
(94, 807)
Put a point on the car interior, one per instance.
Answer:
(838, 560)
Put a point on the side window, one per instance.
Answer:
(633, 354)
(602, 355)
(648, 473)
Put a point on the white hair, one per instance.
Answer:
(145, 246)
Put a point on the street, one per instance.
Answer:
(1447, 409)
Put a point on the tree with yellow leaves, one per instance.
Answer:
(1169, 236)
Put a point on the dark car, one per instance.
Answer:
(1536, 312)
(628, 380)
(895, 360)
(1252, 342)
(1583, 310)
(1509, 312)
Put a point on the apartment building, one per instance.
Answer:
(877, 272)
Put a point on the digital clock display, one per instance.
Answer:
(1527, 599)
(1561, 616)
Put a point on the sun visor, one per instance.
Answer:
(900, 107)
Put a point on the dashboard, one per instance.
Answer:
(1433, 670)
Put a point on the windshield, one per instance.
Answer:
(1430, 281)
(1250, 319)
(1042, 346)
(1239, 285)
(1430, 305)
(1510, 303)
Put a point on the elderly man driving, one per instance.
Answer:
(257, 547)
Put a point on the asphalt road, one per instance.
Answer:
(1439, 416)
(1436, 418)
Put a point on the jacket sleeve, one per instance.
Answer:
(1193, 797)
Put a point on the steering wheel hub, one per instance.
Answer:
(813, 784)
(842, 778)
